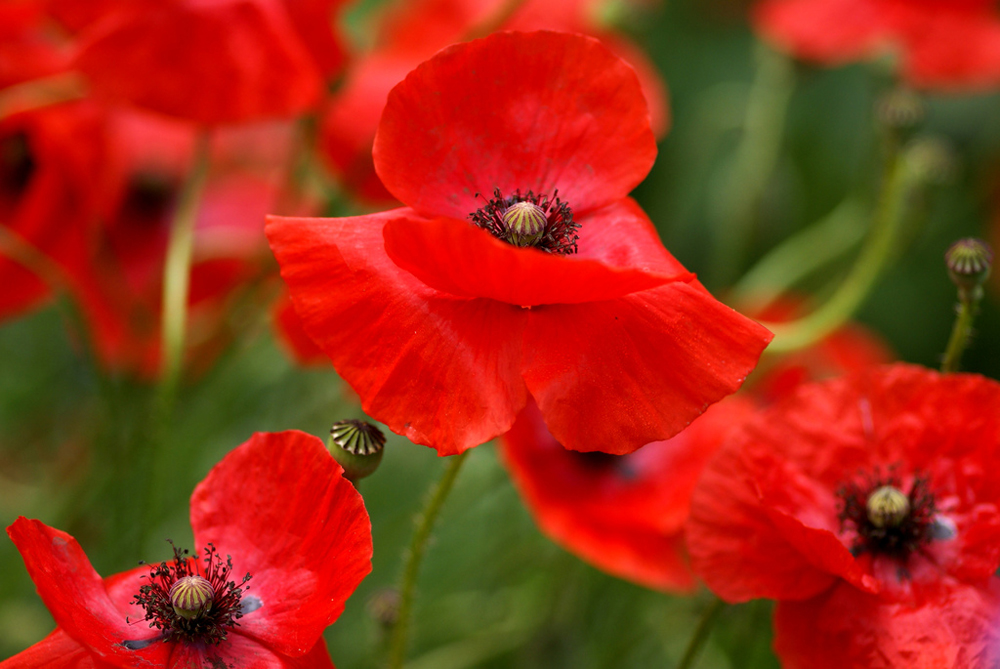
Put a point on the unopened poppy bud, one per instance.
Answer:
(357, 446)
(932, 160)
(887, 507)
(969, 262)
(524, 223)
(191, 597)
(900, 109)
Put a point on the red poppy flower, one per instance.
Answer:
(444, 330)
(50, 188)
(411, 32)
(283, 540)
(626, 514)
(239, 60)
(868, 505)
(623, 514)
(942, 44)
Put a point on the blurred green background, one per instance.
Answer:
(493, 591)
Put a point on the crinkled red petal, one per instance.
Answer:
(316, 23)
(612, 376)
(280, 507)
(240, 61)
(439, 370)
(623, 514)
(56, 651)
(827, 31)
(848, 628)
(460, 259)
(288, 327)
(77, 598)
(531, 111)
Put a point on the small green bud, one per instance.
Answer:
(357, 446)
(191, 597)
(887, 507)
(524, 223)
(969, 263)
(900, 109)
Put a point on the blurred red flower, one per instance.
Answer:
(444, 330)
(279, 508)
(411, 31)
(227, 61)
(941, 44)
(868, 506)
(626, 514)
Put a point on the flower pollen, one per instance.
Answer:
(190, 606)
(530, 220)
(888, 521)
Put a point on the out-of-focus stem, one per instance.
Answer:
(700, 635)
(39, 93)
(732, 216)
(177, 267)
(960, 332)
(415, 554)
(800, 255)
(903, 175)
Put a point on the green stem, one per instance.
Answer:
(961, 332)
(897, 187)
(40, 93)
(800, 255)
(756, 157)
(177, 268)
(176, 282)
(701, 633)
(414, 556)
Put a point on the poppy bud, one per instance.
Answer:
(357, 446)
(969, 262)
(901, 109)
(524, 223)
(191, 597)
(887, 507)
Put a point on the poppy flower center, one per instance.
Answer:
(529, 220)
(189, 603)
(886, 520)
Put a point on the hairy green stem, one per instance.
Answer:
(961, 332)
(701, 633)
(418, 546)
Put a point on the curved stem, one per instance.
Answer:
(898, 184)
(414, 556)
(961, 332)
(754, 163)
(701, 633)
(800, 255)
(43, 92)
(177, 267)
(176, 281)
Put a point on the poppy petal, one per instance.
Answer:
(615, 375)
(460, 259)
(569, 115)
(848, 628)
(77, 598)
(240, 61)
(280, 507)
(56, 651)
(951, 49)
(827, 31)
(440, 371)
(245, 653)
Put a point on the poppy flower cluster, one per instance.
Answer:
(940, 44)
(869, 507)
(283, 540)
(440, 318)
